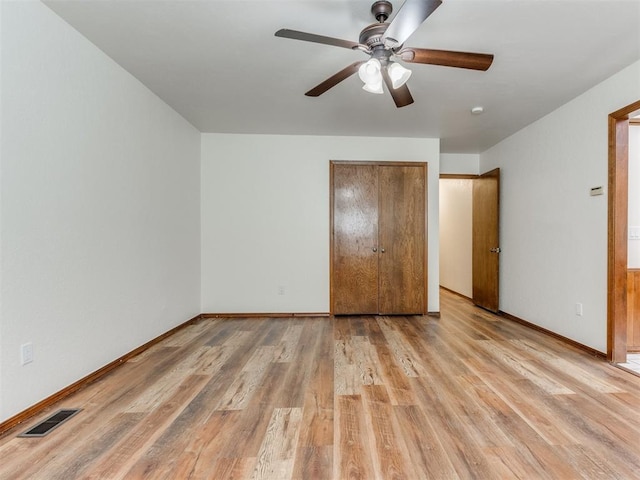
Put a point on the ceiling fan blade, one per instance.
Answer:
(311, 37)
(473, 61)
(401, 95)
(408, 19)
(333, 80)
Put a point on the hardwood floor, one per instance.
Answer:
(466, 396)
(632, 363)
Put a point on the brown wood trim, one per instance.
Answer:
(617, 240)
(426, 239)
(456, 293)
(264, 315)
(624, 112)
(83, 382)
(633, 310)
(382, 163)
(634, 122)
(458, 176)
(331, 231)
(618, 153)
(562, 338)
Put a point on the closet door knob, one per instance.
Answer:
(382, 250)
(374, 249)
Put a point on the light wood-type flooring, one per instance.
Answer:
(632, 363)
(469, 395)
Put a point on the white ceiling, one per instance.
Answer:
(218, 63)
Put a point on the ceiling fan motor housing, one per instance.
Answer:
(371, 36)
(381, 10)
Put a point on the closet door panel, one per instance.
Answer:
(402, 239)
(354, 284)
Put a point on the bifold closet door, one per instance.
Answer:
(355, 239)
(378, 238)
(401, 225)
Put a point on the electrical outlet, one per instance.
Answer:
(579, 309)
(281, 290)
(26, 353)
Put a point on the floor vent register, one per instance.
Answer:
(50, 423)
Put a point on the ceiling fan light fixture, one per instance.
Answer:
(398, 75)
(373, 88)
(369, 73)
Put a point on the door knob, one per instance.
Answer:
(374, 249)
(382, 250)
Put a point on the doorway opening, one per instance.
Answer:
(469, 237)
(617, 283)
(456, 233)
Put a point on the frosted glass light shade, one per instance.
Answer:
(369, 73)
(373, 88)
(398, 75)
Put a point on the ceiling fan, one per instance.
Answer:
(384, 42)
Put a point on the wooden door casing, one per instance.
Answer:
(387, 235)
(633, 310)
(618, 222)
(486, 259)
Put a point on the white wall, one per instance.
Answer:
(456, 239)
(99, 209)
(265, 217)
(633, 257)
(553, 234)
(461, 163)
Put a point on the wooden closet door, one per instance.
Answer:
(354, 276)
(402, 242)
